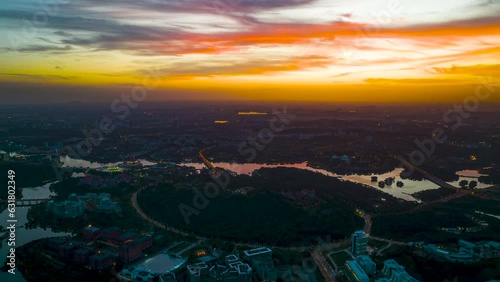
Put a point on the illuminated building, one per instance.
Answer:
(235, 270)
(231, 259)
(464, 255)
(354, 272)
(261, 260)
(359, 242)
(67, 209)
(114, 169)
(198, 272)
(137, 273)
(367, 264)
(396, 273)
(130, 251)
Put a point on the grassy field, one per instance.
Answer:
(340, 258)
(376, 244)
(179, 247)
(325, 252)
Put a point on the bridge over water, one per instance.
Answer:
(427, 175)
(216, 172)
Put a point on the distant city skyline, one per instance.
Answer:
(292, 50)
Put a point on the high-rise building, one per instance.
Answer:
(354, 272)
(359, 241)
(367, 264)
(396, 273)
(262, 262)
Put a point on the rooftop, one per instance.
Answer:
(91, 228)
(82, 251)
(129, 245)
(359, 233)
(127, 235)
(143, 238)
(364, 259)
(195, 268)
(356, 269)
(58, 240)
(257, 251)
(110, 229)
(493, 244)
(231, 258)
(101, 256)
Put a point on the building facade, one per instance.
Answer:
(262, 262)
(354, 272)
(359, 242)
(367, 264)
(396, 273)
(233, 271)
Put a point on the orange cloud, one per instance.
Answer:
(288, 34)
(493, 70)
(250, 67)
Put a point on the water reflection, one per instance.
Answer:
(470, 173)
(23, 235)
(67, 161)
(409, 186)
(79, 163)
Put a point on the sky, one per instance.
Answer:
(300, 50)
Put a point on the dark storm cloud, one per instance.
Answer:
(40, 48)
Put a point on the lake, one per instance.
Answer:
(67, 161)
(410, 186)
(23, 235)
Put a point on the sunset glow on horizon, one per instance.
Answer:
(299, 50)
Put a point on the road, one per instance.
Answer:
(189, 247)
(394, 242)
(141, 213)
(383, 249)
(459, 192)
(316, 251)
(329, 255)
(492, 188)
(325, 269)
(390, 243)
(368, 223)
(427, 175)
